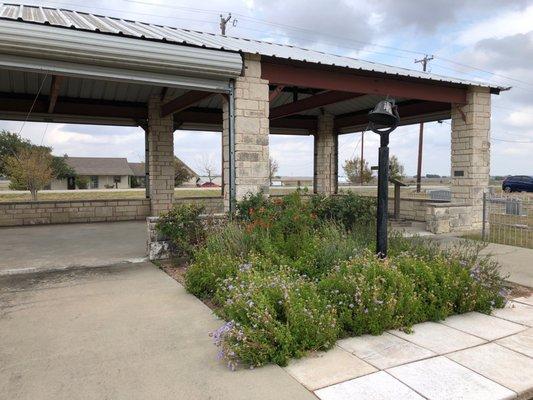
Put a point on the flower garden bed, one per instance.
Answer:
(291, 275)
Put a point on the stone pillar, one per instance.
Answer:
(326, 156)
(160, 157)
(251, 132)
(470, 152)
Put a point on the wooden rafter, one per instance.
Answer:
(276, 92)
(55, 87)
(183, 102)
(309, 103)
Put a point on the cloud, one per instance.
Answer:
(430, 15)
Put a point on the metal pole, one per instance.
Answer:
(231, 123)
(362, 154)
(419, 166)
(483, 228)
(383, 196)
(146, 163)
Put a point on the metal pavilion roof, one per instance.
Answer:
(116, 26)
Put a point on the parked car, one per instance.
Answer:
(518, 183)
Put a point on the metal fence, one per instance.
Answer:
(508, 219)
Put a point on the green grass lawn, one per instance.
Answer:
(6, 196)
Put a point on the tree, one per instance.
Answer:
(12, 143)
(61, 169)
(272, 169)
(352, 169)
(395, 168)
(181, 172)
(30, 168)
(208, 168)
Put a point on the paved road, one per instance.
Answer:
(121, 332)
(59, 246)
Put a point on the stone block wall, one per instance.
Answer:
(251, 132)
(64, 212)
(326, 156)
(449, 217)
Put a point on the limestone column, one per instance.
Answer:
(470, 151)
(326, 156)
(251, 132)
(160, 157)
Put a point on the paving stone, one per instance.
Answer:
(526, 300)
(482, 325)
(377, 386)
(384, 351)
(323, 369)
(504, 366)
(440, 378)
(516, 312)
(521, 342)
(439, 338)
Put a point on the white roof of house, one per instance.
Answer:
(140, 30)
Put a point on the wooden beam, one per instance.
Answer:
(275, 93)
(70, 106)
(329, 79)
(309, 103)
(214, 117)
(55, 87)
(406, 110)
(181, 103)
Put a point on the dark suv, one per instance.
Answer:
(518, 183)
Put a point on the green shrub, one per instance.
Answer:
(349, 209)
(371, 296)
(294, 274)
(183, 227)
(82, 182)
(207, 270)
(274, 316)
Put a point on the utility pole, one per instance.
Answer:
(424, 61)
(224, 22)
(362, 152)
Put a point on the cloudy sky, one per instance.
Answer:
(487, 40)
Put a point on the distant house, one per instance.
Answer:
(139, 174)
(107, 173)
(102, 173)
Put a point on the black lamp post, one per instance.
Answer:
(383, 119)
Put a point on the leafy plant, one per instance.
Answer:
(82, 182)
(183, 227)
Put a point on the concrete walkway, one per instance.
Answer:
(120, 332)
(42, 247)
(471, 356)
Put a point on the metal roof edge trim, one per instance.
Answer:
(34, 40)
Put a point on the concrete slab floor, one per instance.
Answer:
(119, 332)
(59, 246)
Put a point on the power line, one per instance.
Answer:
(512, 141)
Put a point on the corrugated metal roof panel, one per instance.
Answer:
(98, 23)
